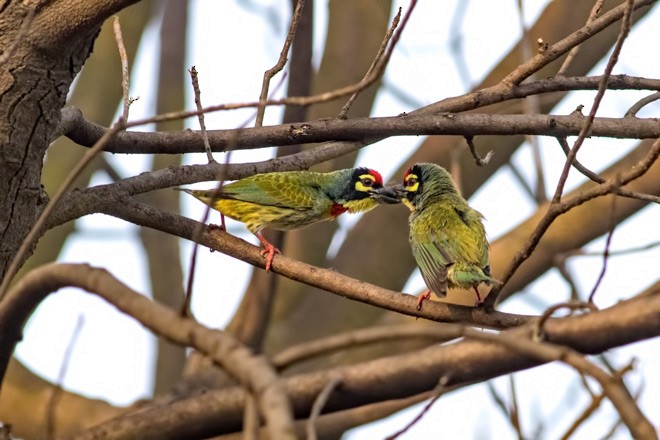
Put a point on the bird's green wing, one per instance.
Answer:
(287, 190)
(446, 235)
(431, 257)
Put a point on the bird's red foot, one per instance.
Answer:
(421, 298)
(268, 249)
(479, 300)
(222, 225)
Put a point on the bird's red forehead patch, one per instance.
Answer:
(336, 209)
(377, 176)
(407, 173)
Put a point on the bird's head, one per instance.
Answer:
(364, 191)
(423, 181)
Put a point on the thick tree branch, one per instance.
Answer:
(128, 209)
(253, 371)
(404, 375)
(423, 121)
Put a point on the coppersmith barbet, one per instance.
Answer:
(447, 236)
(294, 199)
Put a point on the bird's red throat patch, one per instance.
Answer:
(336, 210)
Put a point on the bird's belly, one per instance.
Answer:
(257, 217)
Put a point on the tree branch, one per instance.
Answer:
(365, 130)
(253, 371)
(399, 376)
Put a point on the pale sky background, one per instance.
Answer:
(113, 356)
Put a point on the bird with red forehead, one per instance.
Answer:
(294, 199)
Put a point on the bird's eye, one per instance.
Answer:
(411, 181)
(367, 182)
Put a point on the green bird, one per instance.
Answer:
(295, 199)
(447, 237)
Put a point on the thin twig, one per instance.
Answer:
(318, 405)
(473, 150)
(515, 412)
(615, 390)
(22, 32)
(281, 62)
(559, 261)
(561, 47)
(456, 43)
(57, 390)
(357, 338)
(538, 332)
(599, 179)
(557, 209)
(606, 253)
(594, 404)
(377, 68)
(200, 113)
(611, 62)
(374, 63)
(531, 106)
(595, 12)
(632, 111)
(439, 390)
(632, 250)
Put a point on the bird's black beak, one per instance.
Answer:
(385, 194)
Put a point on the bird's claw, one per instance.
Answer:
(213, 227)
(269, 250)
(421, 298)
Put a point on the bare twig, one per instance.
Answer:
(632, 111)
(531, 106)
(473, 150)
(357, 338)
(539, 333)
(439, 390)
(200, 113)
(632, 250)
(606, 254)
(559, 261)
(22, 32)
(556, 209)
(374, 63)
(611, 62)
(57, 390)
(594, 404)
(561, 47)
(456, 43)
(615, 390)
(598, 179)
(595, 12)
(318, 405)
(281, 62)
(511, 413)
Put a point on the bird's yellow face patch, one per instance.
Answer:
(365, 183)
(411, 182)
